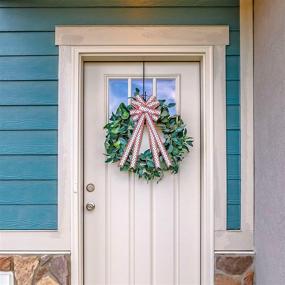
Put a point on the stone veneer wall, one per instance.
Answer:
(55, 269)
(234, 269)
(38, 270)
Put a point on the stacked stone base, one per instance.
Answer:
(234, 270)
(38, 270)
(55, 269)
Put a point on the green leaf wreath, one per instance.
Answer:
(177, 142)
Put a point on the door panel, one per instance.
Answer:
(141, 233)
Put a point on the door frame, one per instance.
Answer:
(206, 44)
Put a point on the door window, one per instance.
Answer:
(120, 90)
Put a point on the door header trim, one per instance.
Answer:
(142, 35)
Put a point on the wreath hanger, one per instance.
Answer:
(144, 95)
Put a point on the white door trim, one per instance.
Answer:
(212, 58)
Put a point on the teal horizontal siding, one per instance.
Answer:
(28, 217)
(233, 142)
(234, 47)
(24, 192)
(233, 204)
(233, 92)
(233, 166)
(28, 142)
(28, 167)
(28, 92)
(233, 156)
(118, 3)
(29, 68)
(28, 117)
(233, 117)
(45, 19)
(233, 196)
(233, 217)
(19, 43)
(233, 131)
(232, 67)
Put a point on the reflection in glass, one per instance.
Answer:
(118, 93)
(138, 83)
(165, 89)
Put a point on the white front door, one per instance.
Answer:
(140, 233)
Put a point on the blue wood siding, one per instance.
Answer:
(28, 94)
(120, 3)
(23, 217)
(40, 142)
(44, 19)
(28, 192)
(28, 67)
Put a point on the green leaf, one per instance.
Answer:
(109, 160)
(150, 163)
(170, 149)
(115, 130)
(125, 114)
(117, 144)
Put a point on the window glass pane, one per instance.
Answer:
(165, 89)
(138, 83)
(118, 93)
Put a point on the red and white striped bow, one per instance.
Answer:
(145, 112)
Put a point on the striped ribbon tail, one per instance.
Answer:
(130, 143)
(157, 144)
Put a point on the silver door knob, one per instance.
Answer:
(90, 206)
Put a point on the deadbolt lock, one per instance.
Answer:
(90, 187)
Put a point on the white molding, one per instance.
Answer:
(220, 167)
(246, 107)
(70, 94)
(141, 35)
(243, 239)
(233, 240)
(235, 252)
(207, 163)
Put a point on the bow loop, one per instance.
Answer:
(148, 107)
(145, 113)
